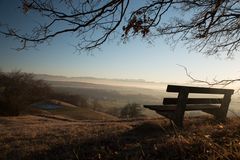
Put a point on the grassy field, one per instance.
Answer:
(82, 114)
(37, 137)
(68, 110)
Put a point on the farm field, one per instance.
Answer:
(113, 98)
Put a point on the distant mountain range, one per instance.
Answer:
(140, 83)
(76, 79)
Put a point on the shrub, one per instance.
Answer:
(19, 90)
(74, 99)
(131, 110)
(96, 105)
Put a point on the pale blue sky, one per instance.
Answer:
(134, 60)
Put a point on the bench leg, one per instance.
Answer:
(222, 114)
(181, 106)
(178, 119)
(178, 122)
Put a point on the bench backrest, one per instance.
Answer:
(200, 90)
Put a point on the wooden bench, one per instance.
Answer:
(174, 108)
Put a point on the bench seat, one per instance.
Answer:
(188, 107)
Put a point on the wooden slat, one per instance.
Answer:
(161, 107)
(175, 88)
(173, 107)
(214, 111)
(201, 107)
(194, 101)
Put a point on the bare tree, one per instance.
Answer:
(209, 26)
(18, 90)
(214, 82)
(131, 110)
(93, 21)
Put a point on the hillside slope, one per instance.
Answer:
(60, 108)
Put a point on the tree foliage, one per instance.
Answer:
(209, 26)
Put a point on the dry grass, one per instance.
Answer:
(82, 113)
(27, 136)
(34, 137)
(71, 111)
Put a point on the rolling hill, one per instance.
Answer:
(60, 108)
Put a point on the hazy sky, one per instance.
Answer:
(134, 60)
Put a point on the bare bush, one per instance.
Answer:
(131, 110)
(74, 99)
(19, 90)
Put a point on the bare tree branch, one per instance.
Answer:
(211, 27)
(224, 82)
